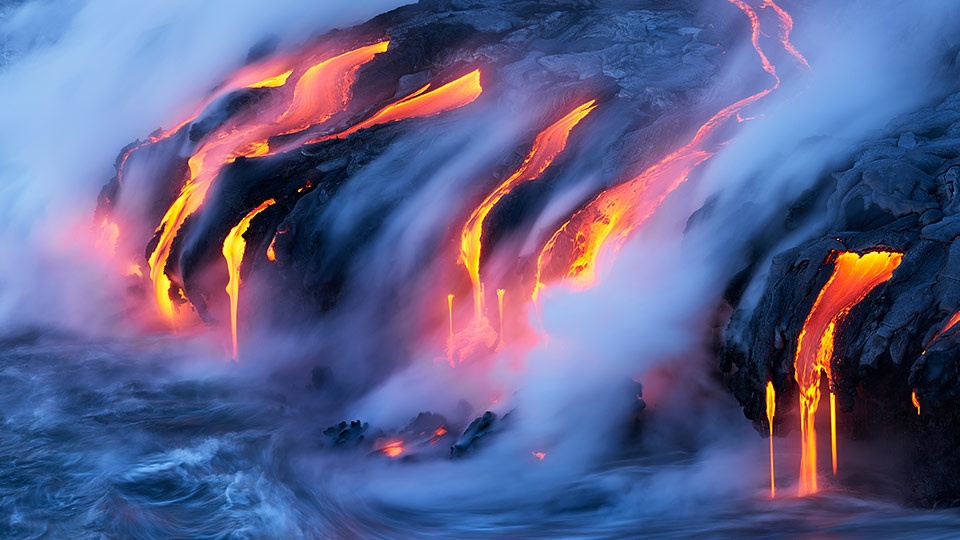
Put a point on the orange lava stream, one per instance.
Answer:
(548, 144)
(607, 221)
(833, 431)
(853, 277)
(419, 104)
(392, 449)
(786, 26)
(320, 92)
(272, 250)
(915, 401)
(771, 411)
(954, 319)
(272, 82)
(233, 248)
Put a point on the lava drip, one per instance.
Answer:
(233, 248)
(320, 91)
(605, 223)
(853, 277)
(771, 411)
(548, 144)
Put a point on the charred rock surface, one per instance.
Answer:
(900, 194)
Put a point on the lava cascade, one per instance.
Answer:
(321, 91)
(605, 223)
(233, 249)
(853, 277)
(771, 411)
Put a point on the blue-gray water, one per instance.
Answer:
(99, 442)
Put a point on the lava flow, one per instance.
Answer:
(233, 249)
(954, 319)
(771, 411)
(605, 223)
(424, 102)
(321, 91)
(786, 26)
(853, 277)
(548, 144)
(915, 401)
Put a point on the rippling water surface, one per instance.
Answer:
(96, 441)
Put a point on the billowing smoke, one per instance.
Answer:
(565, 388)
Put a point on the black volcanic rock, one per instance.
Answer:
(900, 194)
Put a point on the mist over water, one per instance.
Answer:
(107, 428)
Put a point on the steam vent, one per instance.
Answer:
(480, 269)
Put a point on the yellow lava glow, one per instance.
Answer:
(272, 82)
(915, 401)
(420, 104)
(548, 144)
(233, 249)
(392, 449)
(500, 293)
(571, 255)
(771, 411)
(853, 277)
(321, 91)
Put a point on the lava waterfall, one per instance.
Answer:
(543, 267)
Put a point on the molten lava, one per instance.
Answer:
(771, 411)
(321, 91)
(786, 26)
(272, 250)
(422, 103)
(548, 144)
(915, 401)
(954, 319)
(233, 249)
(500, 293)
(605, 223)
(853, 277)
(392, 449)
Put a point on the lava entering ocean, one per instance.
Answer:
(853, 277)
(323, 196)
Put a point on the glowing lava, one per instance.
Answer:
(853, 277)
(392, 449)
(548, 144)
(915, 401)
(500, 293)
(771, 411)
(786, 26)
(422, 103)
(272, 250)
(233, 248)
(605, 223)
(321, 91)
(954, 319)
